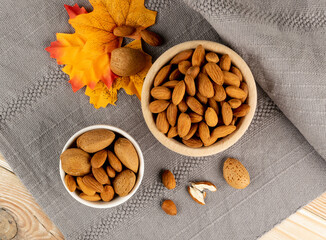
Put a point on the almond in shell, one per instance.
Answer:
(127, 61)
(127, 154)
(235, 174)
(184, 124)
(178, 92)
(75, 162)
(124, 182)
(95, 140)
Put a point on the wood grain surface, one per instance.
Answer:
(308, 223)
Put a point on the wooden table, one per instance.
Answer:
(19, 208)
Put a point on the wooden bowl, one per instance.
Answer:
(222, 144)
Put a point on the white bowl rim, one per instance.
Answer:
(226, 142)
(117, 200)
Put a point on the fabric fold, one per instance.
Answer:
(284, 46)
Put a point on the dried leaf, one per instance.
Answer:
(97, 26)
(75, 10)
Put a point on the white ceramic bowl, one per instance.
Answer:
(117, 200)
(222, 144)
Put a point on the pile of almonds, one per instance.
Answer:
(199, 97)
(100, 165)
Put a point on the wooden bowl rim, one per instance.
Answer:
(222, 144)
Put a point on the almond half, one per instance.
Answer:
(196, 195)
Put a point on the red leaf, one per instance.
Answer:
(74, 11)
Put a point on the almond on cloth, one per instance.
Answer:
(169, 207)
(235, 174)
(168, 179)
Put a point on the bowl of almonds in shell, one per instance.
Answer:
(199, 98)
(101, 166)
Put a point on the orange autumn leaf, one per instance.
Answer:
(83, 68)
(97, 26)
(101, 96)
(75, 10)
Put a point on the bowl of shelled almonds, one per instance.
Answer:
(199, 98)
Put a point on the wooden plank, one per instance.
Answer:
(32, 222)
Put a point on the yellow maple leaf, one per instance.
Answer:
(97, 26)
(101, 95)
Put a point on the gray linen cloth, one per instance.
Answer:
(284, 149)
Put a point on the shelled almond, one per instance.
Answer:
(100, 159)
(199, 97)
